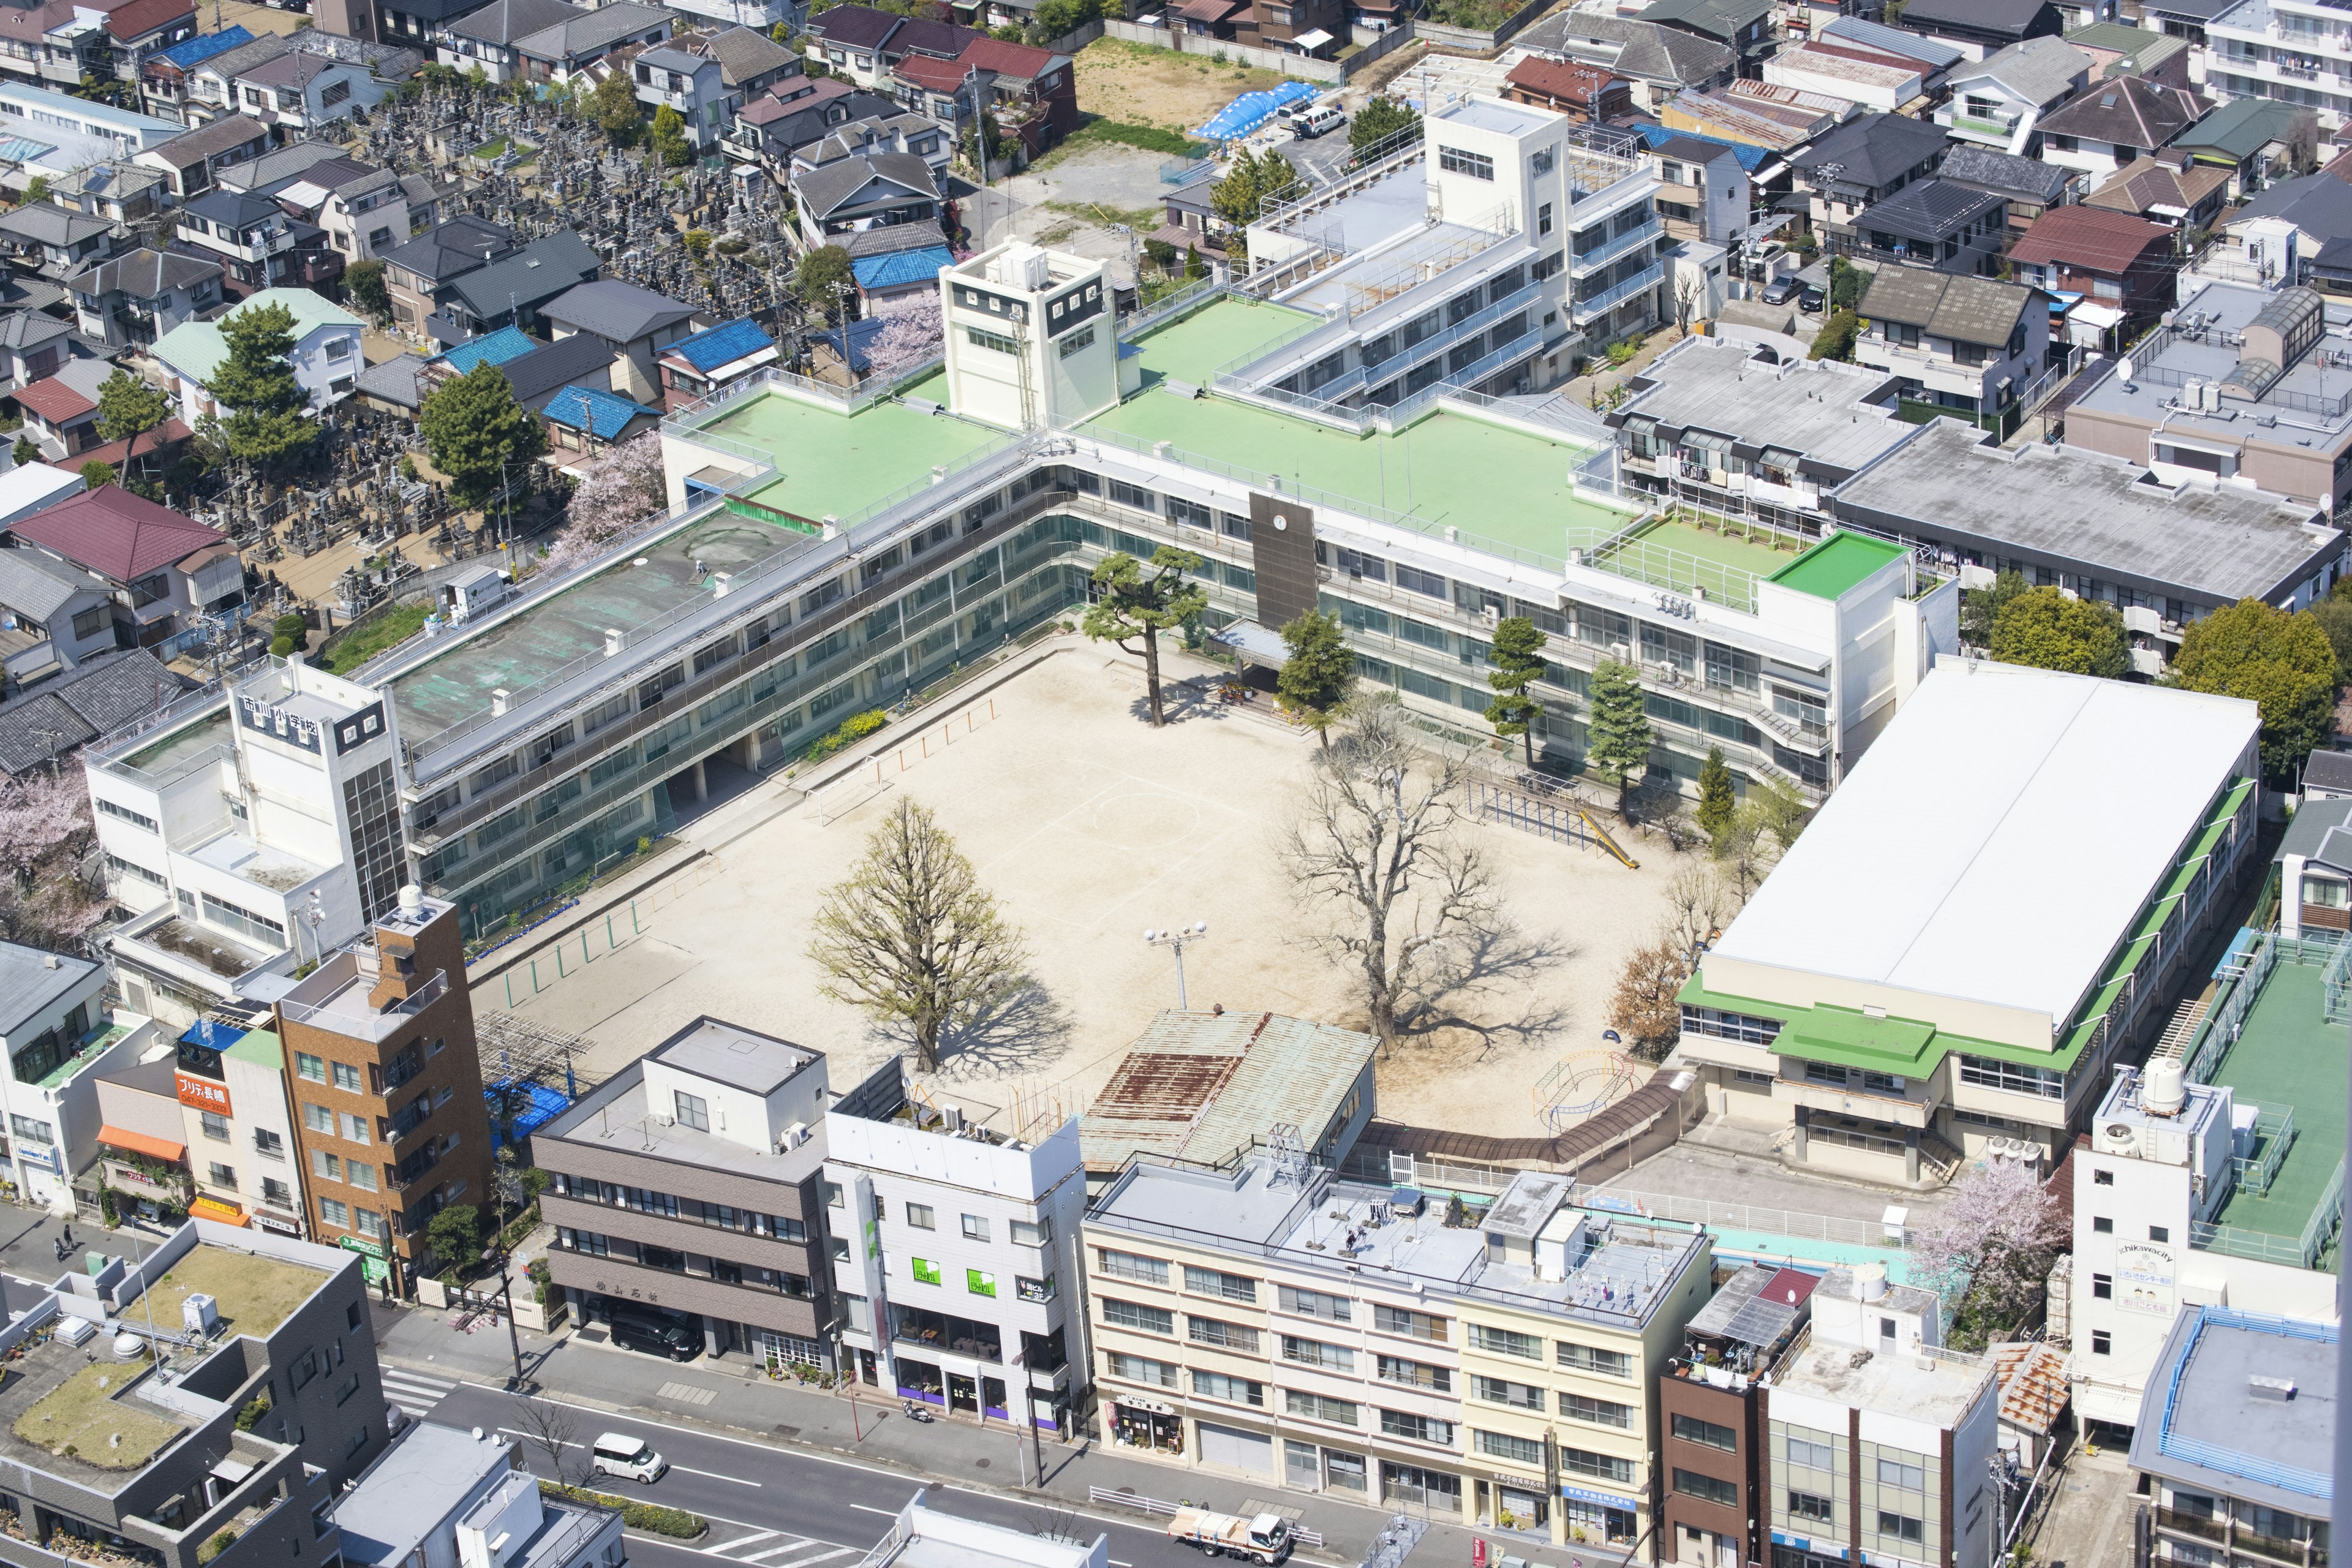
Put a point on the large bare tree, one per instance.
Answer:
(912, 937)
(1379, 843)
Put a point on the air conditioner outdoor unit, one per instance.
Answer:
(665, 1120)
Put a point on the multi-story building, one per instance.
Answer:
(59, 1039)
(2001, 101)
(246, 836)
(1929, 224)
(2292, 52)
(1713, 1439)
(1501, 1368)
(2199, 1184)
(1971, 345)
(1889, 1021)
(956, 1251)
(2232, 1459)
(1881, 1442)
(239, 1129)
(152, 1455)
(457, 1499)
(136, 297)
(688, 1184)
(391, 1126)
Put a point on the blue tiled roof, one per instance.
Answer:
(603, 414)
(192, 52)
(723, 344)
(901, 266)
(495, 347)
(1657, 136)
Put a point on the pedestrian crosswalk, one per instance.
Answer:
(414, 1391)
(776, 1549)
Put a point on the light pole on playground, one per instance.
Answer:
(1175, 939)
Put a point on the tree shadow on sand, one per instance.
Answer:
(1027, 1032)
(1470, 991)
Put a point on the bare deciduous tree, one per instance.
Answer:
(1698, 903)
(1379, 839)
(912, 937)
(554, 1429)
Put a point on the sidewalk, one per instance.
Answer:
(745, 1402)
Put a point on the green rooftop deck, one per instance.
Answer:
(1494, 482)
(1840, 563)
(164, 752)
(2289, 1055)
(1723, 562)
(829, 464)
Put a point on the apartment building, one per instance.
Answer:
(1714, 1439)
(1882, 1441)
(391, 1126)
(689, 1186)
(2233, 1458)
(164, 1466)
(459, 1498)
(955, 1233)
(238, 1128)
(1277, 1322)
(2292, 52)
(60, 1037)
(249, 831)
(2199, 1184)
(1888, 1017)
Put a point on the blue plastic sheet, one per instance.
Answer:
(1252, 109)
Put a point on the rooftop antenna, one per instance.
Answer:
(1287, 1155)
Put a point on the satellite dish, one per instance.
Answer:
(2123, 368)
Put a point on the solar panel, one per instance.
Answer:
(1759, 1322)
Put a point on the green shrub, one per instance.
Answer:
(217, 1545)
(250, 1416)
(854, 728)
(671, 1521)
(281, 645)
(290, 625)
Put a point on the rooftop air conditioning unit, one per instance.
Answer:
(2118, 1138)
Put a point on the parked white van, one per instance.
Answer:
(631, 1458)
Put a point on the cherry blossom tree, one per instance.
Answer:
(912, 331)
(50, 895)
(624, 488)
(1994, 1243)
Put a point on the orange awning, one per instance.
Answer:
(214, 1209)
(142, 1144)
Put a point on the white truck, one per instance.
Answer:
(1263, 1539)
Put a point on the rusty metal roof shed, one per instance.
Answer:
(1202, 1087)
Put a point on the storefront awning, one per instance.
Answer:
(142, 1144)
(214, 1209)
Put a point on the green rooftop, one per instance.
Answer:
(832, 465)
(1208, 340)
(2288, 1054)
(1841, 562)
(1721, 560)
(258, 1048)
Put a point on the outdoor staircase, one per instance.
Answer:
(2181, 1027)
(1939, 1158)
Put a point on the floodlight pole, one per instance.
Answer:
(1174, 940)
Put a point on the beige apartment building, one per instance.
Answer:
(1498, 1366)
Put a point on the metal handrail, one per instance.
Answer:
(1611, 250)
(1616, 295)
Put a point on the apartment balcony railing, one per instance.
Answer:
(1583, 311)
(1582, 262)
(2001, 126)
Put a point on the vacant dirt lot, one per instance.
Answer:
(1140, 85)
(1089, 827)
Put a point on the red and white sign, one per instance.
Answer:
(1477, 1554)
(204, 1093)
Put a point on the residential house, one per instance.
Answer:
(448, 1495)
(486, 36)
(1862, 163)
(715, 358)
(1951, 228)
(162, 570)
(2187, 20)
(770, 129)
(669, 77)
(1661, 61)
(2232, 1452)
(959, 1288)
(2124, 262)
(1828, 71)
(894, 274)
(211, 88)
(2028, 186)
(391, 1126)
(1983, 28)
(139, 30)
(59, 1034)
(302, 91)
(191, 163)
(2001, 101)
(911, 133)
(108, 690)
(29, 54)
(856, 193)
(416, 25)
(58, 242)
(325, 361)
(751, 65)
(850, 41)
(577, 361)
(513, 288)
(2116, 122)
(1964, 343)
(121, 190)
(2276, 233)
(1874, 41)
(2120, 49)
(1586, 94)
(417, 272)
(164, 79)
(562, 49)
(1703, 193)
(1728, 116)
(54, 617)
(363, 210)
(762, 16)
(33, 344)
(258, 244)
(1743, 27)
(718, 1214)
(636, 324)
(592, 419)
(2172, 189)
(1031, 93)
(2257, 140)
(61, 410)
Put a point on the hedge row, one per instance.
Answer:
(647, 1516)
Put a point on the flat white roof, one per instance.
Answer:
(1997, 838)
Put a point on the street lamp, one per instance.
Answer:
(499, 1254)
(1175, 939)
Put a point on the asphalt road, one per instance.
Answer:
(774, 1507)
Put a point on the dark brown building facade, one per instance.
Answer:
(386, 1084)
(1713, 1415)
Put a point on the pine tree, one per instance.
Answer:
(1518, 659)
(1717, 803)
(127, 409)
(1619, 740)
(266, 413)
(480, 435)
(1134, 604)
(1320, 676)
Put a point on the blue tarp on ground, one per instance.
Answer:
(1252, 109)
(546, 1105)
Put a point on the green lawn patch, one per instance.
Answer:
(344, 654)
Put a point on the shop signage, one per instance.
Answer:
(1149, 1406)
(204, 1093)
